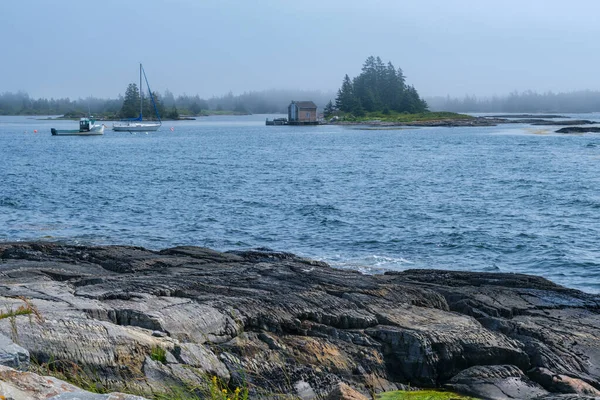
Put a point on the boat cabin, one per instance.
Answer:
(84, 124)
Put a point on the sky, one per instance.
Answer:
(81, 48)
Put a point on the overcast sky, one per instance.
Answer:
(79, 48)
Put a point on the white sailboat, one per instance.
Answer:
(138, 124)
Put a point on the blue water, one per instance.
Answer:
(510, 198)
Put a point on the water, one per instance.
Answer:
(508, 198)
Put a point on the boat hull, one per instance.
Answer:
(94, 131)
(136, 127)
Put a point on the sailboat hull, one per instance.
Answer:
(136, 127)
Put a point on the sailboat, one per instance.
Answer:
(138, 124)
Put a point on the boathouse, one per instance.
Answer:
(302, 113)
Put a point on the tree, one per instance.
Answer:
(345, 100)
(195, 108)
(378, 88)
(131, 103)
(173, 114)
(168, 98)
(328, 110)
(160, 107)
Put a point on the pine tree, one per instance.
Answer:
(328, 110)
(378, 88)
(195, 108)
(131, 103)
(160, 108)
(173, 114)
(345, 100)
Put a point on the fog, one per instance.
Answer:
(71, 48)
(530, 102)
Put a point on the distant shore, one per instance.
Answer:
(463, 120)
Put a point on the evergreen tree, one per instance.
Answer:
(345, 100)
(131, 103)
(195, 108)
(160, 108)
(378, 88)
(328, 110)
(173, 114)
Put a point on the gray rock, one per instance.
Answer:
(563, 383)
(200, 357)
(496, 382)
(341, 391)
(271, 320)
(13, 355)
(18, 385)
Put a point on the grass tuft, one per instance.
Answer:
(21, 310)
(422, 395)
(158, 354)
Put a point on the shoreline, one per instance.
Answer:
(477, 122)
(298, 326)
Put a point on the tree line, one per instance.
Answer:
(378, 88)
(523, 102)
(168, 105)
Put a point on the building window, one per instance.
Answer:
(307, 115)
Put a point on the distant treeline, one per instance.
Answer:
(525, 102)
(263, 102)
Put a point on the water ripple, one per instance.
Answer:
(483, 199)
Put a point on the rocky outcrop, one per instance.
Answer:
(496, 382)
(579, 129)
(344, 392)
(18, 385)
(13, 355)
(277, 323)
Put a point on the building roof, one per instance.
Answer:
(305, 104)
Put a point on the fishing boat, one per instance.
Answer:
(87, 127)
(138, 124)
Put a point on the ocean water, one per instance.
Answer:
(510, 198)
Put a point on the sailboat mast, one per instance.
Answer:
(141, 99)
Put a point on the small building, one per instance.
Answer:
(302, 113)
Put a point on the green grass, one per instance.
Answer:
(402, 117)
(22, 310)
(158, 354)
(422, 395)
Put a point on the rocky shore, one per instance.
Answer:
(479, 121)
(285, 326)
(579, 129)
